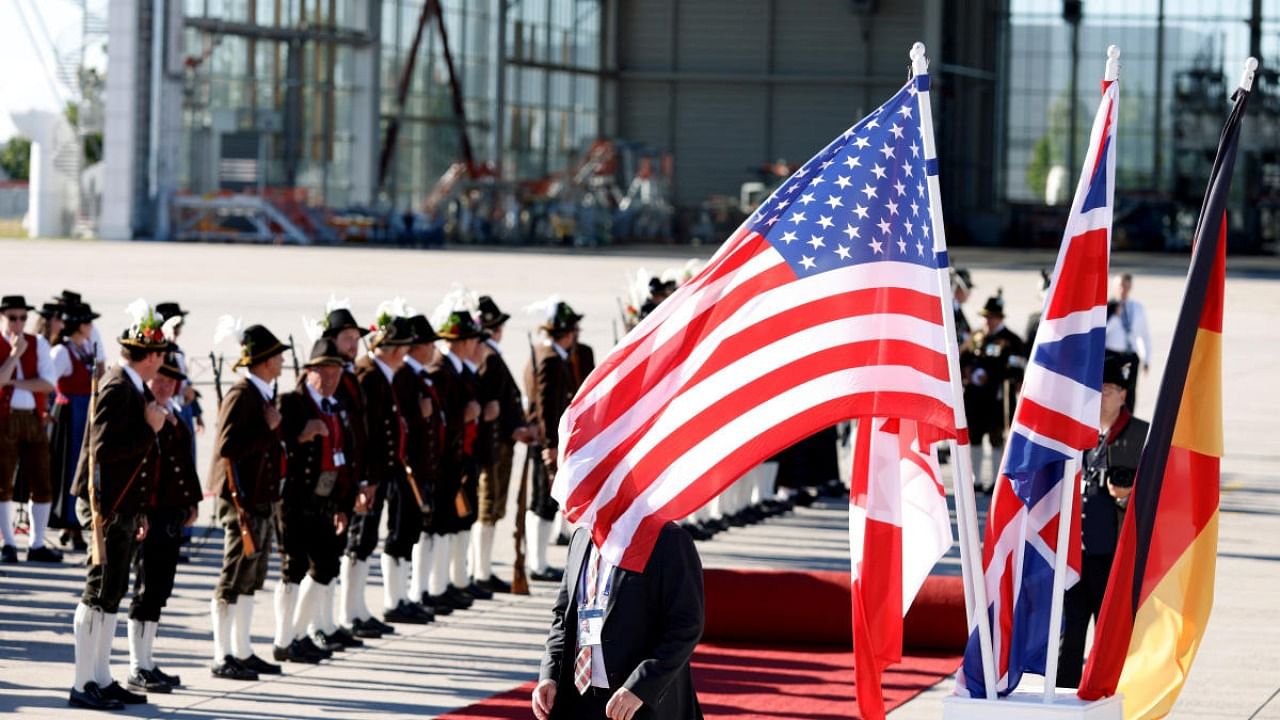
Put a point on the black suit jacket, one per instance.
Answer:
(297, 408)
(123, 446)
(652, 623)
(549, 384)
(381, 454)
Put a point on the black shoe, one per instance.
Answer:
(232, 669)
(361, 629)
(461, 600)
(694, 531)
(548, 575)
(294, 653)
(45, 554)
(148, 681)
(984, 489)
(380, 626)
(406, 614)
(439, 604)
(170, 680)
(92, 698)
(9, 554)
(327, 642)
(184, 559)
(260, 666)
(478, 592)
(119, 694)
(309, 646)
(495, 585)
(736, 520)
(562, 539)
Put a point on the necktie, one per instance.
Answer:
(582, 666)
(327, 406)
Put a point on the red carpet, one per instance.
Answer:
(754, 683)
(778, 646)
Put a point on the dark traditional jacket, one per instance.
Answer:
(1001, 356)
(351, 398)
(549, 383)
(425, 435)
(178, 483)
(123, 446)
(308, 461)
(582, 360)
(249, 447)
(457, 463)
(495, 382)
(384, 453)
(1114, 460)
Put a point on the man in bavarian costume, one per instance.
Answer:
(24, 445)
(385, 458)
(498, 391)
(115, 478)
(991, 366)
(424, 423)
(454, 377)
(362, 533)
(315, 508)
(170, 510)
(549, 383)
(188, 398)
(247, 471)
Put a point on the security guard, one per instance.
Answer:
(1109, 470)
(118, 461)
(991, 366)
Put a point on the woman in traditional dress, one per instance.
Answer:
(73, 362)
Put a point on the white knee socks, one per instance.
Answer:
(975, 459)
(286, 597)
(420, 581)
(241, 638)
(482, 568)
(361, 584)
(347, 581)
(222, 613)
(310, 598)
(459, 574)
(39, 523)
(102, 669)
(394, 582)
(537, 540)
(441, 552)
(6, 523)
(86, 627)
(142, 637)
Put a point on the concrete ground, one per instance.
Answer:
(496, 647)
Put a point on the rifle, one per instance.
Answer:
(215, 364)
(519, 575)
(98, 549)
(423, 504)
(293, 353)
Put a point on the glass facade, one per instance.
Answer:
(1180, 61)
(288, 82)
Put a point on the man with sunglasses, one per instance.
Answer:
(24, 446)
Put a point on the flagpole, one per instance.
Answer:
(1065, 510)
(975, 593)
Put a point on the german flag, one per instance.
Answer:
(1161, 587)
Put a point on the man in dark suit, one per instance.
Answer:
(620, 641)
(248, 467)
(118, 460)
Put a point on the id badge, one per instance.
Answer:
(590, 626)
(339, 459)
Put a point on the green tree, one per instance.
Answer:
(15, 158)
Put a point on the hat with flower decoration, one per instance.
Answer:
(147, 329)
(391, 329)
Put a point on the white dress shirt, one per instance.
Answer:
(268, 392)
(134, 377)
(1136, 337)
(385, 368)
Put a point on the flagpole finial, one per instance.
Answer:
(1113, 64)
(1250, 67)
(919, 63)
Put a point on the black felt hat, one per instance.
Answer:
(168, 310)
(1117, 369)
(421, 331)
(490, 315)
(994, 306)
(392, 332)
(51, 310)
(460, 325)
(342, 319)
(147, 330)
(258, 345)
(14, 302)
(325, 352)
(563, 319)
(169, 368)
(68, 297)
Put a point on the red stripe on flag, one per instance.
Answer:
(1189, 499)
(1211, 314)
(877, 614)
(753, 451)
(740, 400)
(1053, 424)
(1082, 279)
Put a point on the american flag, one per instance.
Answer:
(1056, 418)
(825, 305)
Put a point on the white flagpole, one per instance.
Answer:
(1065, 509)
(975, 593)
(1066, 504)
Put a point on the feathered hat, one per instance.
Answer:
(146, 329)
(257, 343)
(338, 317)
(557, 315)
(391, 328)
(455, 317)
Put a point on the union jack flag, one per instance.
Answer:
(1056, 418)
(825, 305)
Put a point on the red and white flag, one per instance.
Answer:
(899, 527)
(825, 305)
